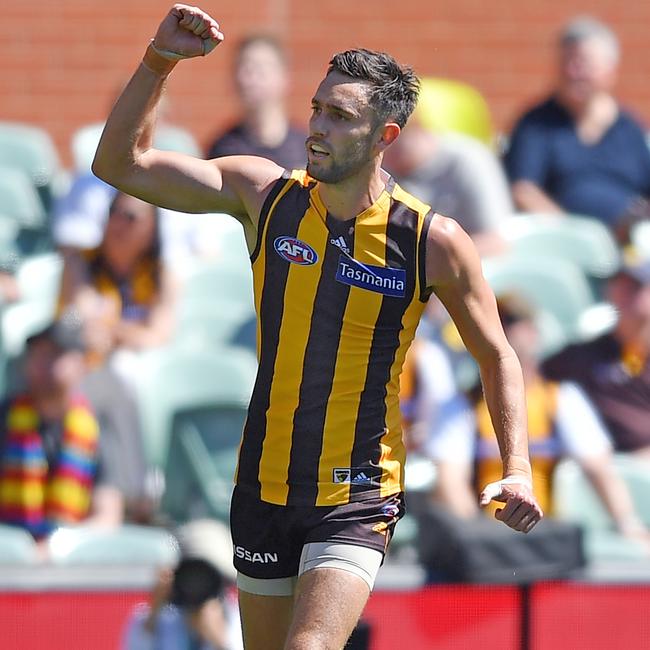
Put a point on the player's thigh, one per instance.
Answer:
(327, 607)
(265, 620)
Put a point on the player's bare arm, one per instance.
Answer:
(126, 159)
(454, 271)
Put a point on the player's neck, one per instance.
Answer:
(347, 199)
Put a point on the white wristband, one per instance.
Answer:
(492, 490)
(208, 44)
(167, 54)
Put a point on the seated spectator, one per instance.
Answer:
(50, 474)
(579, 151)
(456, 175)
(262, 83)
(561, 422)
(121, 447)
(432, 408)
(193, 605)
(79, 220)
(79, 216)
(121, 290)
(614, 369)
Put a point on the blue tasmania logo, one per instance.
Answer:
(390, 282)
(295, 251)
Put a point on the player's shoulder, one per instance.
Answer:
(446, 234)
(450, 253)
(398, 193)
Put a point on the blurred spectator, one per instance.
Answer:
(121, 447)
(79, 221)
(614, 369)
(561, 422)
(456, 175)
(262, 83)
(432, 408)
(121, 290)
(193, 605)
(578, 151)
(49, 442)
(79, 216)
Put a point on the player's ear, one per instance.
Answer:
(389, 133)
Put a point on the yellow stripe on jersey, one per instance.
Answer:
(352, 360)
(301, 282)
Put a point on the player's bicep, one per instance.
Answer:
(455, 274)
(176, 181)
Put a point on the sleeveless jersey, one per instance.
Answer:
(337, 303)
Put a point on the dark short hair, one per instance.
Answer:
(195, 582)
(394, 87)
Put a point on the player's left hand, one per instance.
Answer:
(521, 511)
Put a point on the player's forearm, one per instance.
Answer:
(503, 387)
(129, 129)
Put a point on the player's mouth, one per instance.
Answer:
(316, 150)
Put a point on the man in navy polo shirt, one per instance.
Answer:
(578, 151)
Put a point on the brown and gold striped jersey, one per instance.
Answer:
(338, 303)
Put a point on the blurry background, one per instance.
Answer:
(584, 585)
(63, 62)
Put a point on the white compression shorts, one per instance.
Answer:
(359, 560)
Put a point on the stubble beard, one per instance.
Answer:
(354, 160)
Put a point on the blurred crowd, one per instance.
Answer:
(128, 336)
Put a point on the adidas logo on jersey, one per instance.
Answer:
(360, 479)
(354, 476)
(339, 242)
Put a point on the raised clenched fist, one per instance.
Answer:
(186, 32)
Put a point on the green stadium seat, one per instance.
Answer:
(31, 150)
(223, 282)
(19, 199)
(174, 138)
(10, 254)
(574, 499)
(128, 544)
(554, 285)
(586, 242)
(212, 323)
(17, 546)
(202, 461)
(38, 279)
(19, 322)
(180, 379)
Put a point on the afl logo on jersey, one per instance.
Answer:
(295, 251)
